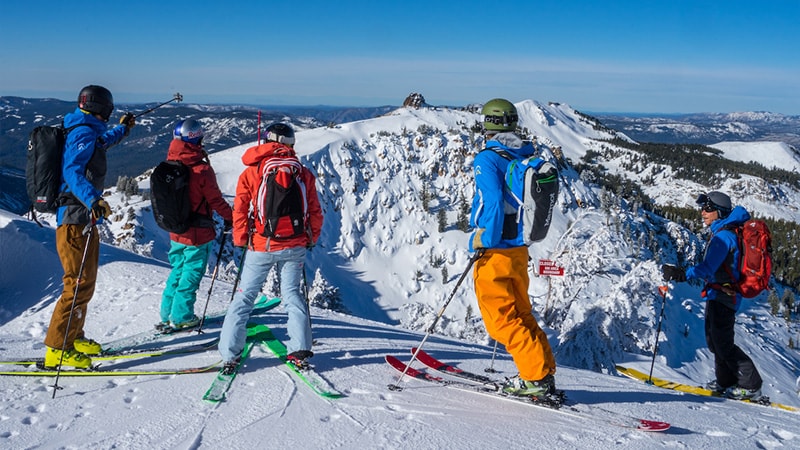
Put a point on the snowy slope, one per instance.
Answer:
(267, 407)
(779, 154)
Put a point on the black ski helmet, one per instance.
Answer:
(281, 133)
(189, 130)
(96, 100)
(716, 201)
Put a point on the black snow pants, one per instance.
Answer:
(731, 365)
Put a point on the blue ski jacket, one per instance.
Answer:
(720, 263)
(489, 204)
(83, 170)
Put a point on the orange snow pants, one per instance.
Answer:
(501, 285)
(71, 243)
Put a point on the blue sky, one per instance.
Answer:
(612, 56)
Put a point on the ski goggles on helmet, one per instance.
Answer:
(501, 120)
(706, 204)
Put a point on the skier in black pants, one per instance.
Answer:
(736, 375)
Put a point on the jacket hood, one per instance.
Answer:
(738, 216)
(79, 117)
(185, 152)
(511, 143)
(254, 155)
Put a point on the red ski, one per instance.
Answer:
(491, 388)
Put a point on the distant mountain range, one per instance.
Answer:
(706, 128)
(225, 127)
(228, 126)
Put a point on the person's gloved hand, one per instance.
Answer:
(672, 273)
(129, 120)
(477, 243)
(101, 208)
(227, 226)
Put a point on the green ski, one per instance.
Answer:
(319, 385)
(221, 384)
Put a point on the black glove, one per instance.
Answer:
(100, 208)
(672, 273)
(227, 226)
(129, 120)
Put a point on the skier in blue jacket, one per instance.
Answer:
(736, 375)
(82, 206)
(501, 273)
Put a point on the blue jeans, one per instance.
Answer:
(188, 267)
(254, 273)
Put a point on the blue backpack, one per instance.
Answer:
(531, 194)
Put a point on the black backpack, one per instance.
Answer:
(43, 166)
(169, 194)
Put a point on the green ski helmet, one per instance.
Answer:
(499, 114)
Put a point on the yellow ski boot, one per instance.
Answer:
(71, 358)
(87, 346)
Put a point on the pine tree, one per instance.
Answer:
(441, 218)
(323, 295)
(426, 198)
(463, 215)
(132, 187)
(774, 302)
(788, 304)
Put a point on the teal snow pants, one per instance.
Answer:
(188, 267)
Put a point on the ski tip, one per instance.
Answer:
(652, 425)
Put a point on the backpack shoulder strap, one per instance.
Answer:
(728, 288)
(500, 152)
(68, 129)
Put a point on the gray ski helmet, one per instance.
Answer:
(716, 201)
(190, 131)
(281, 133)
(96, 100)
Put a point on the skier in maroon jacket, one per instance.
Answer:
(189, 251)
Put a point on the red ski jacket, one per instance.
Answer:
(246, 193)
(204, 193)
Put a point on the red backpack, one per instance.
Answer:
(755, 251)
(281, 208)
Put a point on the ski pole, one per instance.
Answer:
(175, 98)
(490, 369)
(213, 277)
(88, 233)
(475, 257)
(663, 290)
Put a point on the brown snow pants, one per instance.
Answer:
(501, 285)
(71, 243)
